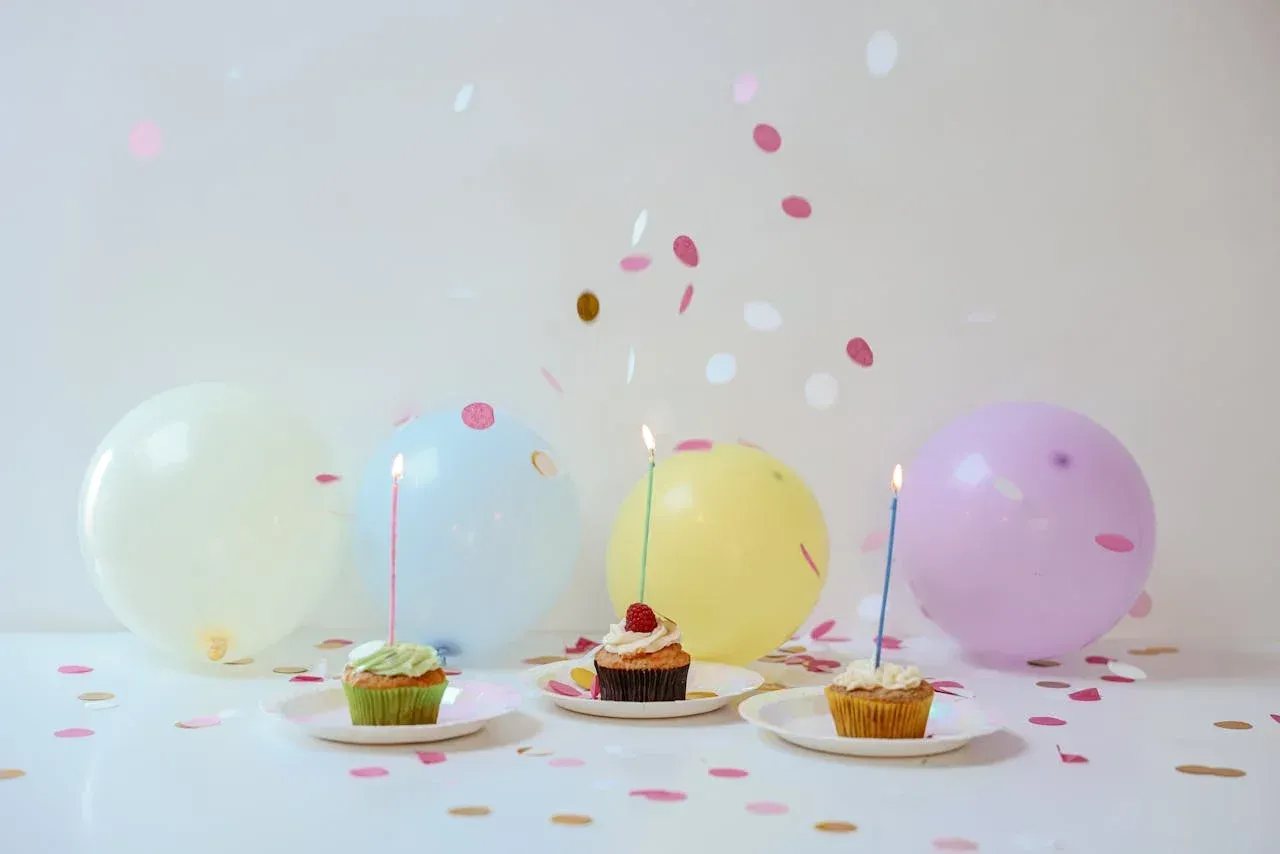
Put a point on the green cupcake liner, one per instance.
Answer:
(394, 706)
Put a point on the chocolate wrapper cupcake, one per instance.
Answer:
(642, 661)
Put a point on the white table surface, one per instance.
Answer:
(251, 784)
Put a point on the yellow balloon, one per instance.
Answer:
(737, 551)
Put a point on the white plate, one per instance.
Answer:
(801, 716)
(727, 681)
(467, 707)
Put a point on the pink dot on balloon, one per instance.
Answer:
(1141, 607)
(566, 762)
(809, 560)
(74, 668)
(74, 732)
(1045, 720)
(1114, 542)
(144, 140)
(860, 351)
(694, 445)
(634, 263)
(954, 843)
(686, 299)
(744, 88)
(767, 808)
(369, 771)
(478, 416)
(686, 250)
(797, 206)
(769, 140)
(431, 757)
(727, 773)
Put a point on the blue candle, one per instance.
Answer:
(896, 483)
(648, 507)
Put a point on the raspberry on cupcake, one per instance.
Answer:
(641, 660)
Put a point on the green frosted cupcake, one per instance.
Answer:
(398, 685)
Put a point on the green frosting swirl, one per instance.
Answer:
(401, 659)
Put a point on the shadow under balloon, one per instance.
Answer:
(991, 749)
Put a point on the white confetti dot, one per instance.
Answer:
(721, 368)
(761, 316)
(463, 99)
(882, 53)
(637, 230)
(631, 364)
(821, 390)
(869, 609)
(1128, 671)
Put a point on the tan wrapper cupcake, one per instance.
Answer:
(892, 702)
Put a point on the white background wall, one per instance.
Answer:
(1070, 201)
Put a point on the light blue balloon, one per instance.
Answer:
(488, 529)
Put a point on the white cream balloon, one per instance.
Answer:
(204, 524)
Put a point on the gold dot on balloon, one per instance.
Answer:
(571, 818)
(544, 464)
(588, 306)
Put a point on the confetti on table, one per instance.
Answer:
(566, 762)
(544, 659)
(721, 368)
(334, 643)
(463, 99)
(1208, 771)
(771, 686)
(289, 669)
(1048, 684)
(543, 464)
(199, 723)
(1045, 720)
(551, 380)
(667, 796)
(637, 230)
(859, 351)
(369, 771)
(1085, 695)
(1070, 758)
(767, 138)
(685, 299)
(954, 843)
(327, 478)
(74, 668)
(1111, 677)
(588, 307)
(144, 140)
(582, 677)
(1154, 650)
(239, 662)
(767, 808)
(1141, 606)
(306, 679)
(1233, 725)
(469, 812)
(431, 757)
(1114, 542)
(635, 263)
(686, 251)
(555, 686)
(700, 695)
(90, 696)
(571, 819)
(727, 773)
(478, 416)
(946, 683)
(744, 88)
(835, 827)
(1276, 718)
(791, 649)
(1044, 662)
(74, 732)
(797, 207)
(761, 316)
(1098, 659)
(1129, 671)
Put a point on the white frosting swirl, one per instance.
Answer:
(365, 649)
(622, 642)
(864, 674)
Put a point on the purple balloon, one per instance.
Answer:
(1024, 530)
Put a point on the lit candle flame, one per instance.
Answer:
(397, 467)
(897, 478)
(648, 438)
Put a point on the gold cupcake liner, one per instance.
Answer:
(868, 717)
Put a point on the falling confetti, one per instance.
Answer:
(637, 230)
(91, 696)
(477, 416)
(761, 316)
(144, 140)
(571, 819)
(543, 463)
(1141, 606)
(588, 307)
(1114, 542)
(882, 53)
(797, 207)
(1129, 671)
(74, 732)
(289, 670)
(727, 773)
(566, 762)
(551, 380)
(202, 722)
(327, 478)
(11, 773)
(685, 250)
(685, 299)
(822, 629)
(694, 445)
(835, 827)
(1070, 758)
(431, 757)
(631, 364)
(662, 796)
(1045, 720)
(1087, 695)
(954, 843)
(767, 138)
(369, 771)
(463, 99)
(635, 263)
(860, 352)
(469, 812)
(808, 558)
(889, 642)
(1054, 684)
(721, 368)
(821, 391)
(1044, 662)
(74, 668)
(1208, 771)
(1233, 725)
(744, 88)
(767, 808)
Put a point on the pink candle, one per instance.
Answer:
(397, 471)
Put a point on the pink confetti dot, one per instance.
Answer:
(889, 642)
(634, 263)
(744, 88)
(946, 683)
(327, 478)
(1086, 695)
(200, 722)
(478, 416)
(860, 351)
(343, 641)
(662, 796)
(822, 629)
(875, 540)
(694, 445)
(369, 771)
(1141, 607)
(74, 668)
(686, 299)
(566, 762)
(1114, 542)
(307, 679)
(552, 381)
(767, 808)
(727, 773)
(431, 757)
(144, 140)
(797, 206)
(769, 140)
(686, 250)
(1045, 720)
(74, 732)
(1276, 718)
(1111, 677)
(954, 843)
(1098, 659)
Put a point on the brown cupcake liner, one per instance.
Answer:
(643, 686)
(867, 717)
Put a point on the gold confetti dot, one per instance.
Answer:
(289, 669)
(582, 677)
(90, 696)
(1154, 650)
(1047, 684)
(524, 749)
(1208, 771)
(571, 818)
(700, 695)
(545, 659)
(1044, 662)
(588, 306)
(1233, 725)
(791, 649)
(240, 661)
(835, 826)
(470, 811)
(773, 658)
(11, 773)
(772, 686)
(331, 645)
(544, 464)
